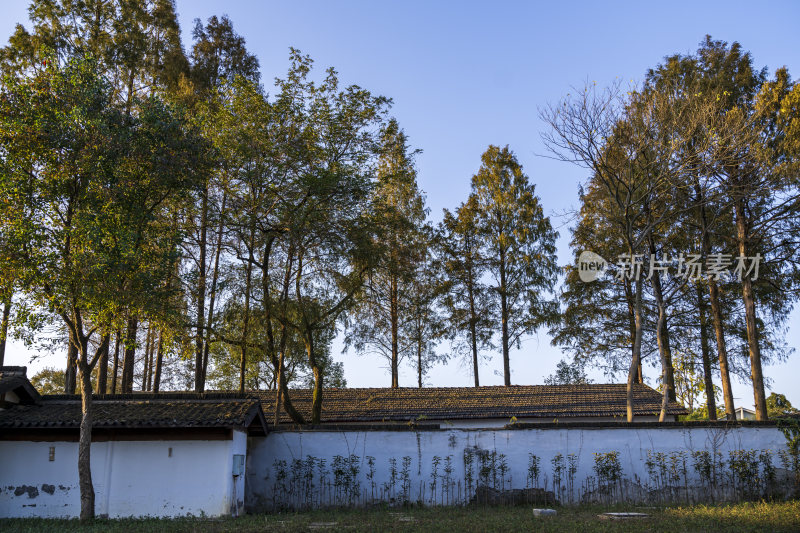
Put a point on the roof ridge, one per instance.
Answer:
(171, 395)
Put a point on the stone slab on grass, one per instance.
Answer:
(622, 516)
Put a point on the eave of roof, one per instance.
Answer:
(14, 379)
(140, 412)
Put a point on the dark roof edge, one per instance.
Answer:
(9, 368)
(363, 426)
(157, 396)
(256, 414)
(622, 424)
(22, 388)
(542, 425)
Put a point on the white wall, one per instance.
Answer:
(131, 478)
(516, 445)
(236, 489)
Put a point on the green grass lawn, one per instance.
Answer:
(784, 516)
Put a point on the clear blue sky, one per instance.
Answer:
(464, 75)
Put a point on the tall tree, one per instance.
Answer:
(520, 248)
(635, 148)
(386, 309)
(465, 300)
(748, 166)
(218, 54)
(84, 182)
(423, 327)
(326, 214)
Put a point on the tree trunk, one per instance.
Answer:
(716, 314)
(316, 404)
(708, 381)
(632, 325)
(316, 399)
(283, 395)
(393, 312)
(637, 350)
(278, 389)
(130, 354)
(722, 350)
(307, 333)
(750, 316)
(159, 362)
(213, 293)
(85, 441)
(116, 363)
(246, 322)
(150, 361)
(102, 371)
(473, 334)
(4, 329)
(419, 362)
(72, 357)
(662, 338)
(115, 368)
(504, 318)
(199, 379)
(660, 325)
(148, 348)
(269, 345)
(281, 392)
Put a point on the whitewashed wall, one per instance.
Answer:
(265, 489)
(131, 478)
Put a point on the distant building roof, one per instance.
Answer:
(471, 403)
(139, 411)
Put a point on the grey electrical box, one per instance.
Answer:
(238, 464)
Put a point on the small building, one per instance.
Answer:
(163, 455)
(743, 413)
(478, 407)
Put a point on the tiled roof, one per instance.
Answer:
(233, 410)
(462, 403)
(138, 411)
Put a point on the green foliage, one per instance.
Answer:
(86, 188)
(219, 54)
(136, 45)
(49, 380)
(534, 462)
(701, 413)
(607, 467)
(568, 374)
(778, 406)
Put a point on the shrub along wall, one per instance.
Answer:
(547, 464)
